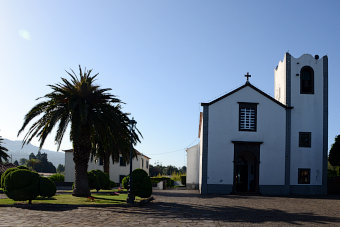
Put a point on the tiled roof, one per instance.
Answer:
(4, 167)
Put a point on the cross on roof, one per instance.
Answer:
(247, 75)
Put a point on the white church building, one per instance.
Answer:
(252, 142)
(118, 170)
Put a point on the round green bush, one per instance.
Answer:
(125, 182)
(98, 180)
(141, 184)
(21, 185)
(57, 178)
(8, 171)
(47, 187)
(5, 174)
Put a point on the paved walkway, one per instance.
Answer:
(183, 208)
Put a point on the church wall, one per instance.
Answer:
(280, 81)
(307, 116)
(193, 164)
(69, 167)
(223, 129)
(200, 158)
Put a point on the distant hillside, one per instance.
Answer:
(14, 149)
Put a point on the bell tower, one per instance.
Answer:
(302, 84)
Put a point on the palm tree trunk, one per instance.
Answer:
(106, 160)
(81, 157)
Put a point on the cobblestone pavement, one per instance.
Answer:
(183, 208)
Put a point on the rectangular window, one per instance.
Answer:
(147, 164)
(247, 116)
(305, 139)
(142, 163)
(122, 161)
(304, 176)
(101, 161)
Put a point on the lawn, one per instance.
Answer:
(72, 200)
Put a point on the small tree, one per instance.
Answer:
(23, 161)
(60, 168)
(334, 153)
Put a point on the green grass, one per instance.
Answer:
(68, 199)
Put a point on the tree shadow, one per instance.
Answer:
(62, 207)
(195, 194)
(176, 194)
(237, 214)
(45, 198)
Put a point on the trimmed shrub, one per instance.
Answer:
(5, 174)
(141, 184)
(8, 171)
(21, 185)
(125, 182)
(184, 180)
(57, 178)
(98, 180)
(47, 187)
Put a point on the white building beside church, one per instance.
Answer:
(118, 170)
(252, 142)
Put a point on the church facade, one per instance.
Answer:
(252, 142)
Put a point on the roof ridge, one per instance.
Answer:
(241, 87)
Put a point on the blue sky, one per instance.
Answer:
(162, 58)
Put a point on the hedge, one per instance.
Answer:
(168, 181)
(56, 178)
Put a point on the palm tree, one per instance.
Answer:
(114, 145)
(88, 108)
(3, 155)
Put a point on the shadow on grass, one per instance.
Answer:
(113, 200)
(45, 198)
